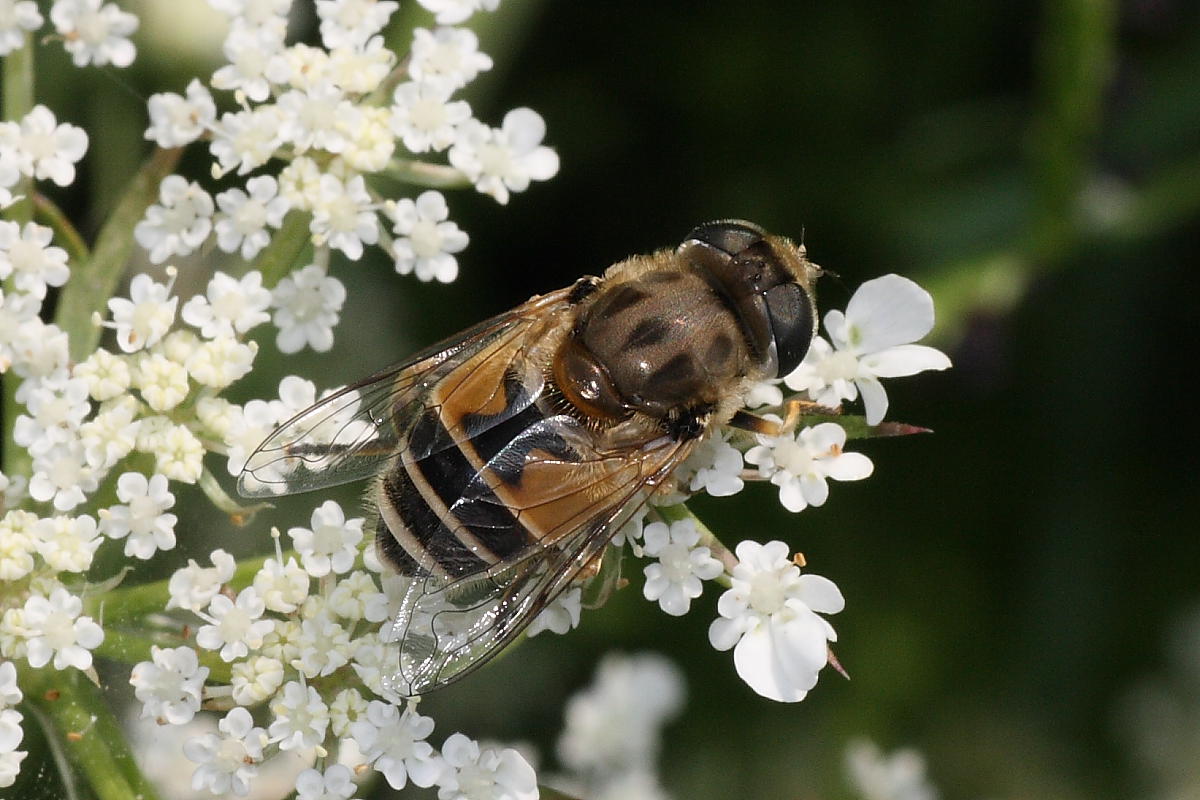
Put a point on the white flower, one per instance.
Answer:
(870, 341)
(560, 616)
(57, 406)
(337, 783)
(800, 465)
(675, 580)
(250, 51)
(111, 434)
(176, 120)
(375, 663)
(310, 119)
(17, 17)
(770, 619)
(394, 743)
(169, 685)
(227, 762)
(242, 223)
(26, 256)
(332, 544)
(249, 426)
(143, 319)
(424, 117)
(246, 140)
(19, 323)
(222, 361)
(10, 693)
(324, 645)
(504, 159)
(62, 476)
(899, 776)
(180, 224)
(306, 306)
(163, 382)
(715, 466)
(234, 626)
(57, 631)
(255, 679)
(10, 765)
(11, 734)
(356, 597)
(450, 55)
(43, 148)
(282, 587)
(143, 518)
(478, 774)
(426, 239)
(37, 349)
(17, 544)
(107, 375)
(614, 725)
(347, 708)
(229, 305)
(94, 33)
(300, 183)
(301, 717)
(67, 543)
(10, 727)
(350, 23)
(362, 69)
(178, 454)
(452, 12)
(344, 216)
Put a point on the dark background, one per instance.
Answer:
(1010, 580)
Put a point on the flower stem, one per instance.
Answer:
(130, 648)
(421, 173)
(93, 282)
(89, 733)
(16, 95)
(64, 232)
(135, 602)
(1074, 66)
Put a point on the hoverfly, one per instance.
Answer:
(505, 458)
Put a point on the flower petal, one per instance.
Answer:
(908, 359)
(875, 401)
(821, 594)
(849, 467)
(886, 312)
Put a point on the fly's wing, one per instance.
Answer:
(572, 497)
(355, 432)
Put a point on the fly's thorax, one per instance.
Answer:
(768, 282)
(655, 339)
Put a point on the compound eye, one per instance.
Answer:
(730, 236)
(793, 324)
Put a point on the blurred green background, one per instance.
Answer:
(1012, 579)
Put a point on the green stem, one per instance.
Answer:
(130, 648)
(287, 245)
(89, 733)
(64, 232)
(135, 602)
(92, 283)
(421, 173)
(16, 96)
(1074, 65)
